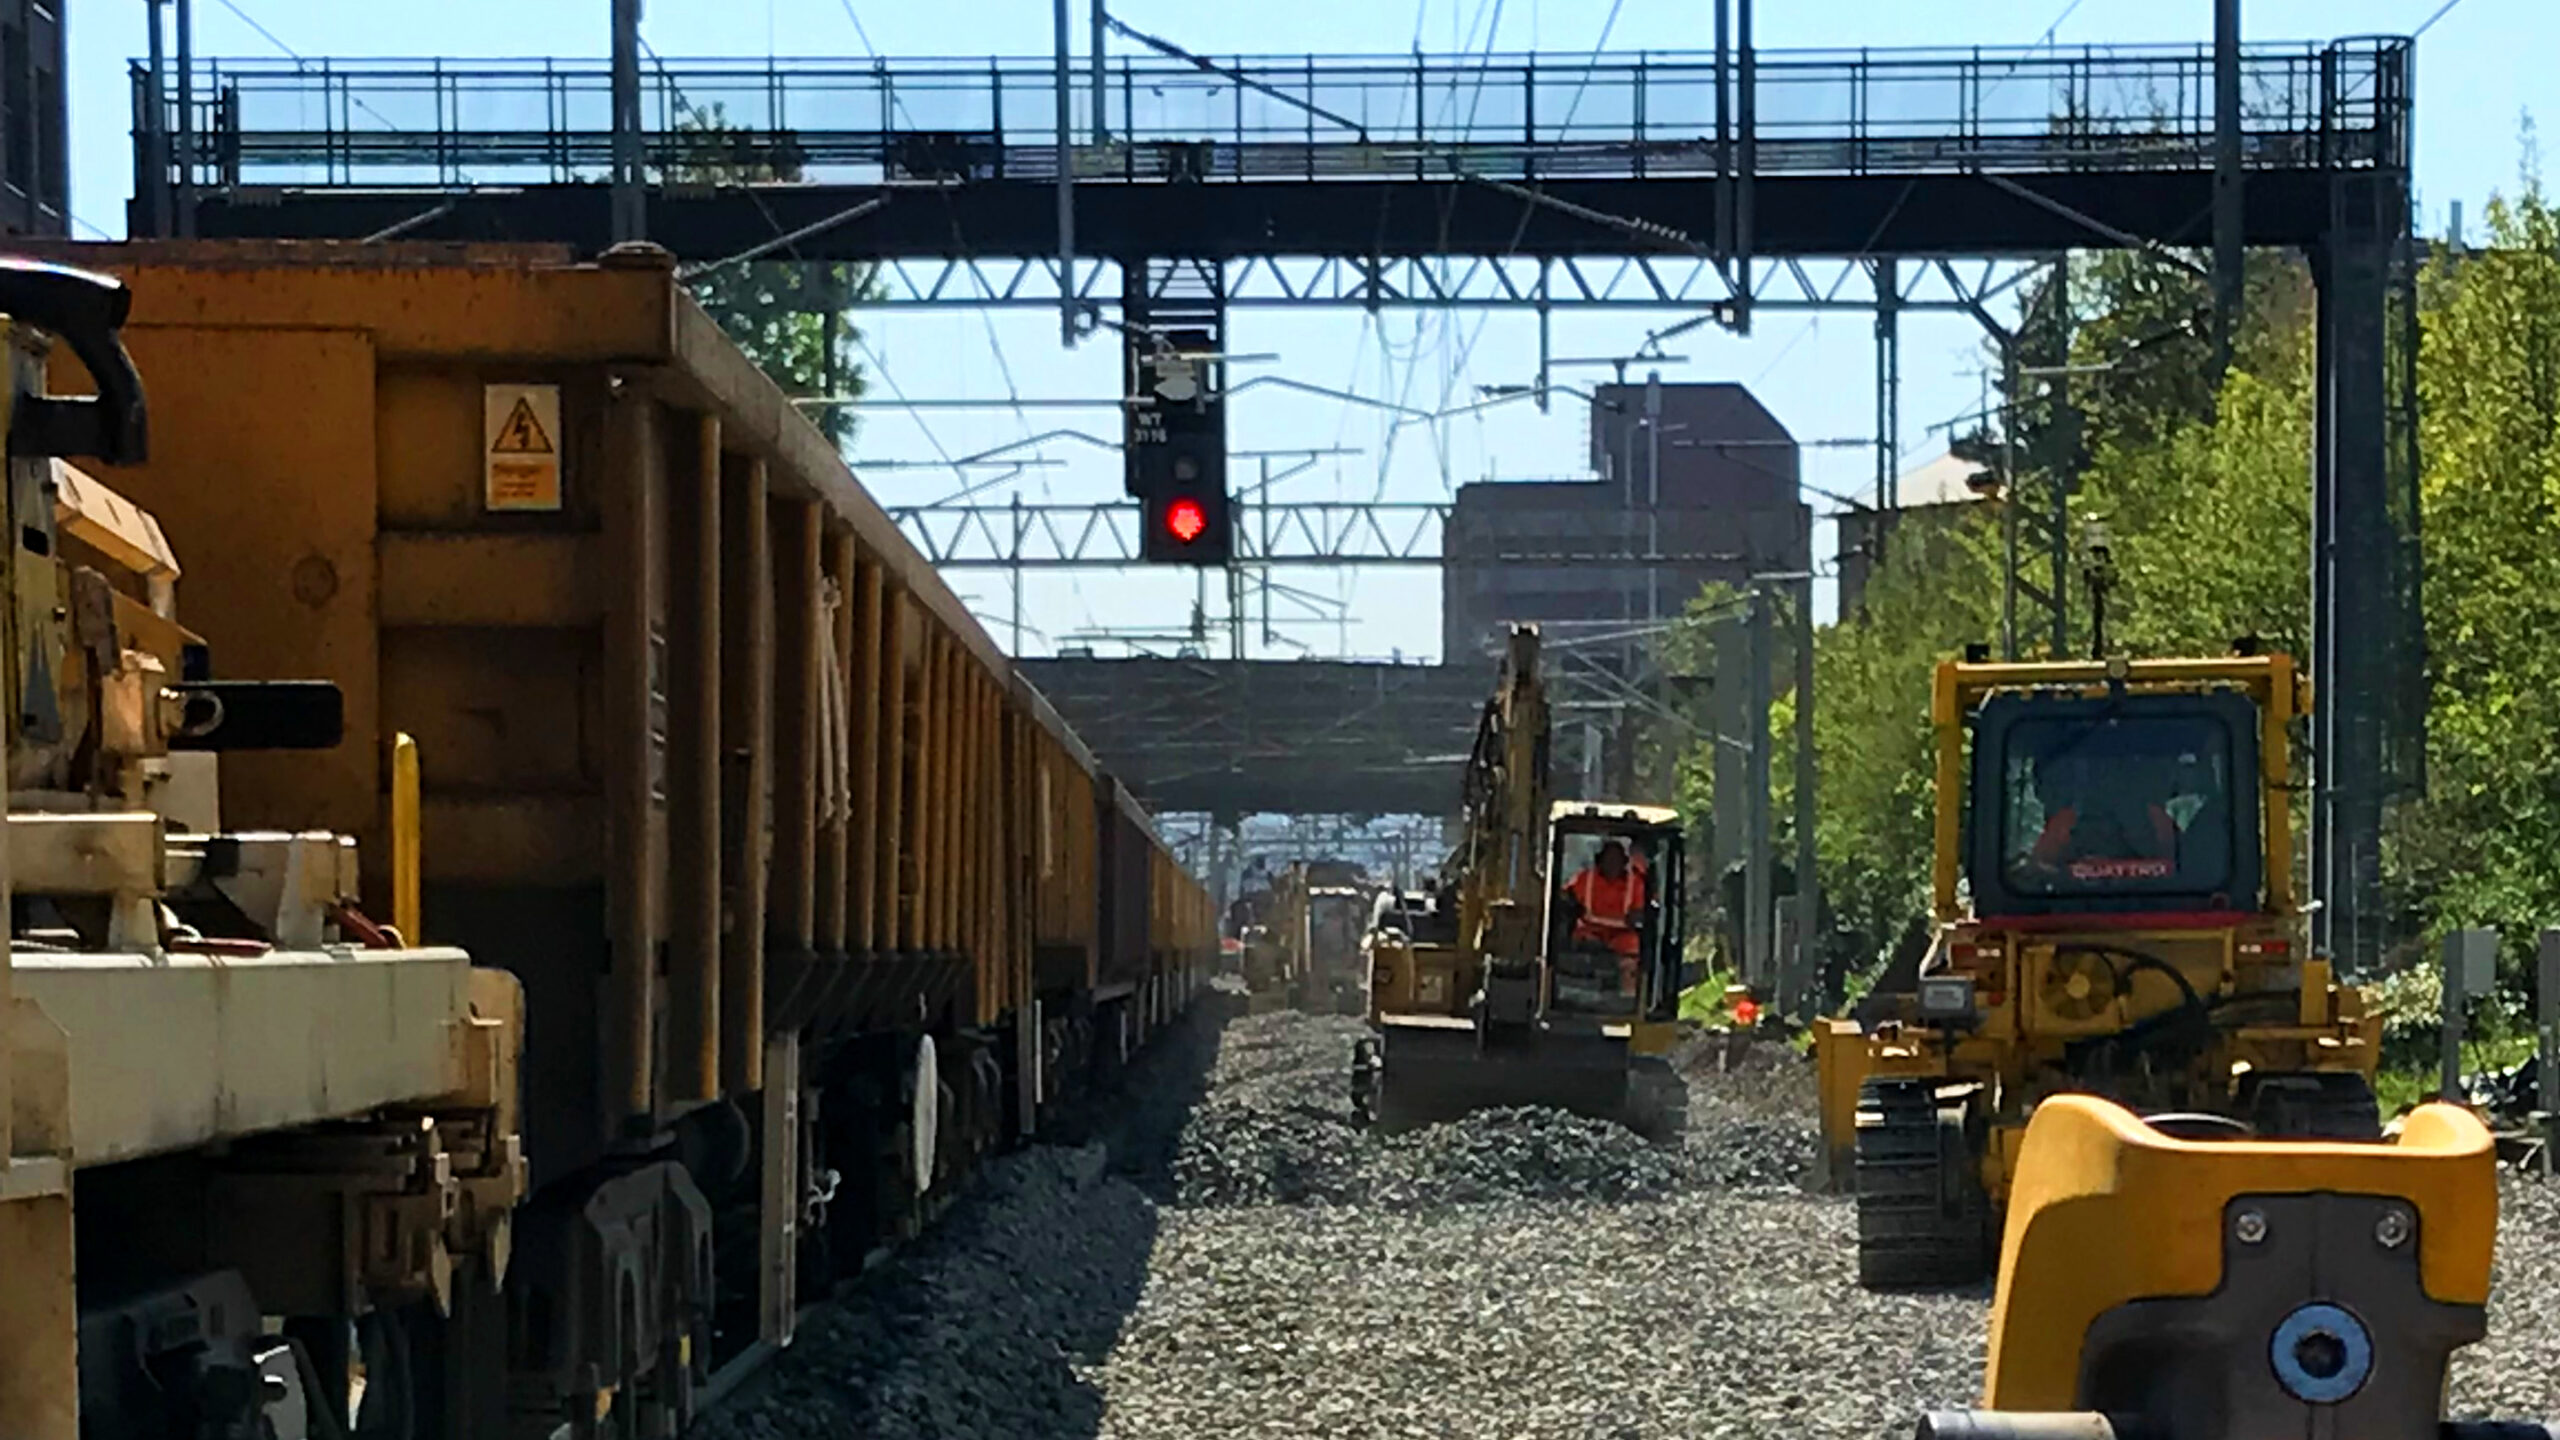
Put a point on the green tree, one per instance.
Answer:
(1874, 836)
(2209, 506)
(794, 318)
(2484, 845)
(2206, 493)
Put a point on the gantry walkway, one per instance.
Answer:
(1842, 152)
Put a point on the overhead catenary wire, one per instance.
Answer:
(252, 22)
(2055, 29)
(398, 228)
(302, 63)
(1461, 364)
(1453, 365)
(854, 17)
(2429, 23)
(783, 241)
(1573, 107)
(890, 380)
(995, 347)
(995, 344)
(789, 240)
(2048, 36)
(872, 52)
(1439, 325)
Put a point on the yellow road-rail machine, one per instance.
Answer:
(2114, 915)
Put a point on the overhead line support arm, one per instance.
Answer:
(1169, 49)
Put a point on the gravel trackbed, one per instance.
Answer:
(1249, 1264)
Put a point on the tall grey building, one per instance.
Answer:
(35, 166)
(1699, 476)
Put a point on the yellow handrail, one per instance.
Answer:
(405, 871)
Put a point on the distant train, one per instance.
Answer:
(812, 901)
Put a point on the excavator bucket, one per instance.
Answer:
(1432, 1073)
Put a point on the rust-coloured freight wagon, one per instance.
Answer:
(812, 898)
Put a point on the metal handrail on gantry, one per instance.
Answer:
(1519, 117)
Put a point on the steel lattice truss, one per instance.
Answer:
(1495, 282)
(1036, 537)
(1304, 736)
(1105, 536)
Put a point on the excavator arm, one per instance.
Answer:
(1501, 860)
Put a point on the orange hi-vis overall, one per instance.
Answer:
(1607, 908)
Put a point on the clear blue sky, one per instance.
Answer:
(2481, 68)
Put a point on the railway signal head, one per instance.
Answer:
(1186, 519)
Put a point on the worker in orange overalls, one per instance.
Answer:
(1608, 896)
(2106, 816)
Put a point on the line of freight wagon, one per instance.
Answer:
(682, 758)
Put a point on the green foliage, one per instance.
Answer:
(2210, 538)
(2212, 525)
(792, 317)
(2484, 847)
(2411, 1005)
(1704, 1003)
(1939, 591)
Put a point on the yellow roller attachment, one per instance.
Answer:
(1842, 1061)
(406, 862)
(2313, 1008)
(1845, 1057)
(2110, 1214)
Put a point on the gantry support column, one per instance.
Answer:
(2367, 647)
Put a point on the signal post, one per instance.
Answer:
(1175, 417)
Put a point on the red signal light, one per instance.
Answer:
(1186, 519)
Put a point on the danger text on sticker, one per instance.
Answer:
(523, 485)
(2127, 869)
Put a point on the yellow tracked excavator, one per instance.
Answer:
(1543, 966)
(2270, 1287)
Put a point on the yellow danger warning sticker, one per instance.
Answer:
(520, 449)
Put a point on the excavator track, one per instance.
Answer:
(1922, 1215)
(1657, 1100)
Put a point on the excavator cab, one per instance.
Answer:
(1614, 918)
(2117, 804)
